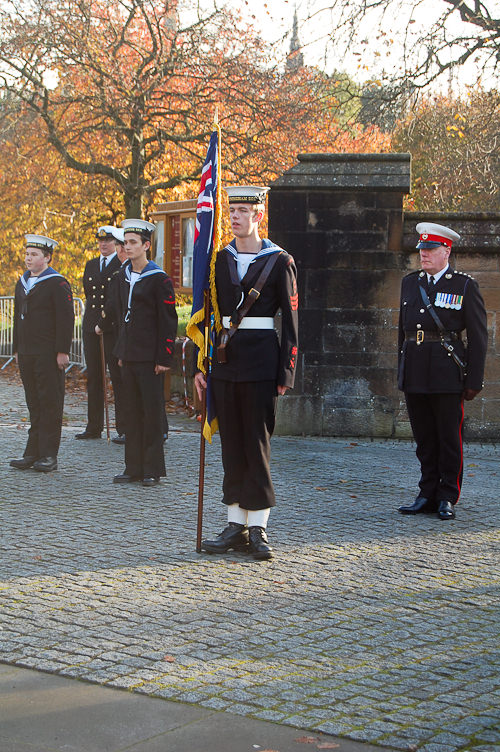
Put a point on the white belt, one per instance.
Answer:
(251, 322)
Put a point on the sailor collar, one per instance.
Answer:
(47, 274)
(267, 248)
(149, 269)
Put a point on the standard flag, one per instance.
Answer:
(207, 239)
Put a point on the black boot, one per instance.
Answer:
(24, 463)
(233, 536)
(259, 546)
(45, 464)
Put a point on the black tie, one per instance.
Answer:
(103, 265)
(432, 285)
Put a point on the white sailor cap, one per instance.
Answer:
(118, 234)
(140, 226)
(433, 235)
(246, 194)
(105, 233)
(40, 241)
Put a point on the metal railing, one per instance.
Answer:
(76, 356)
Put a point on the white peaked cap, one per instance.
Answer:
(432, 234)
(40, 241)
(137, 225)
(118, 234)
(246, 194)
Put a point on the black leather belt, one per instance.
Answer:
(420, 336)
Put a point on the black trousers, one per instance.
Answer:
(95, 391)
(246, 415)
(437, 421)
(143, 391)
(43, 385)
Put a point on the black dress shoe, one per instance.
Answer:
(233, 536)
(87, 435)
(125, 478)
(119, 439)
(45, 464)
(446, 510)
(150, 481)
(420, 505)
(24, 463)
(259, 546)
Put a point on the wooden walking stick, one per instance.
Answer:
(104, 384)
(201, 473)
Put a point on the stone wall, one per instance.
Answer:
(341, 216)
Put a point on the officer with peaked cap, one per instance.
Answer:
(108, 326)
(43, 331)
(145, 348)
(437, 371)
(255, 369)
(96, 280)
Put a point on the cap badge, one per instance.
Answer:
(425, 236)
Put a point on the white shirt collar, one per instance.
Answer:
(108, 258)
(437, 276)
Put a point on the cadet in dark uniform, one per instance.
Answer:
(43, 331)
(259, 368)
(96, 278)
(436, 370)
(145, 348)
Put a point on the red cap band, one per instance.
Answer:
(426, 238)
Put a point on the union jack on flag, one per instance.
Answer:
(206, 244)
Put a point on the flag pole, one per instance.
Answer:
(201, 472)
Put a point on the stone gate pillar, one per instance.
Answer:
(341, 217)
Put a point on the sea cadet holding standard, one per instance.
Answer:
(253, 368)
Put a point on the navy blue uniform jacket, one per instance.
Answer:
(147, 329)
(427, 368)
(258, 354)
(43, 317)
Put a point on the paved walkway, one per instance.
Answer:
(367, 625)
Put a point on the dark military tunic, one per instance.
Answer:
(97, 286)
(432, 380)
(245, 388)
(43, 327)
(148, 327)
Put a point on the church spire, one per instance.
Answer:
(295, 58)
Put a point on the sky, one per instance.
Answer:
(375, 56)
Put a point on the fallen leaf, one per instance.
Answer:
(327, 745)
(169, 658)
(353, 443)
(353, 496)
(307, 739)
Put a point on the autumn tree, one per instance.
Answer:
(412, 43)
(455, 147)
(126, 91)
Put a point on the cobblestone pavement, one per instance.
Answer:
(367, 624)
